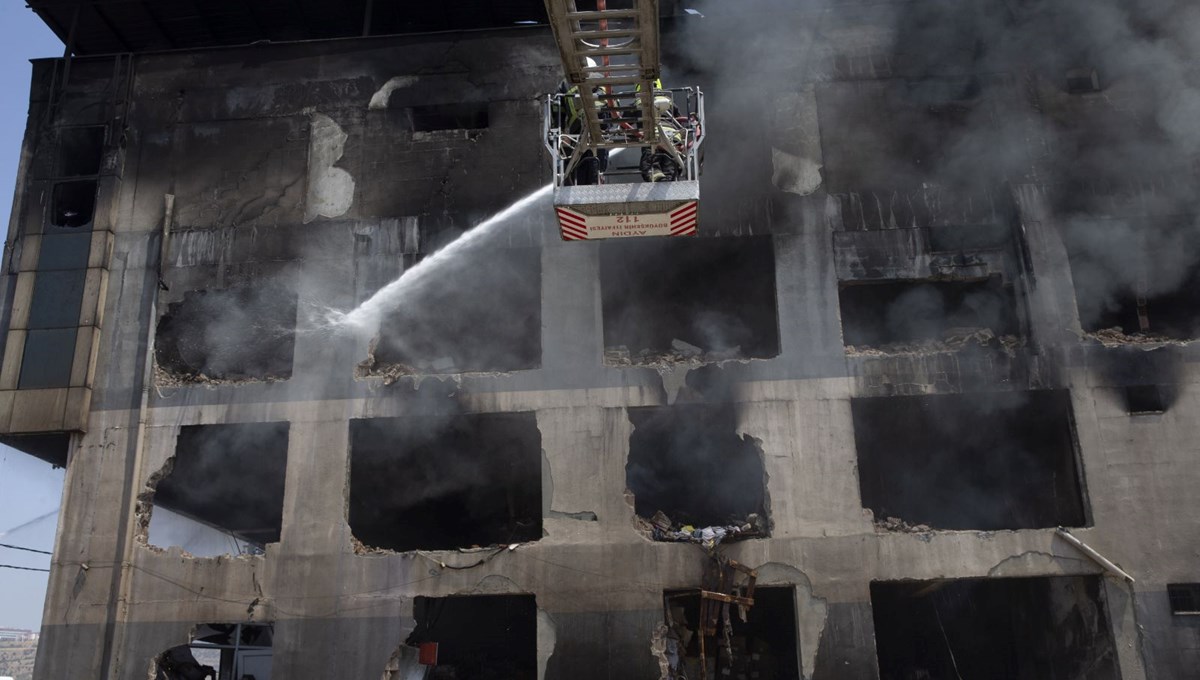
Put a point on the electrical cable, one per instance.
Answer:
(12, 566)
(17, 547)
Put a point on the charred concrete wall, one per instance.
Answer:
(854, 145)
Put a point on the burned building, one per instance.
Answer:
(285, 292)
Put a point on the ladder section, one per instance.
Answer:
(609, 51)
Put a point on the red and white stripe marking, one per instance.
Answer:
(683, 219)
(576, 226)
(572, 224)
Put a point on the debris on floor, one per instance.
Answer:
(953, 340)
(661, 528)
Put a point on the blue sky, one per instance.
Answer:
(29, 488)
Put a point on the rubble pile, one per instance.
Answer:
(953, 340)
(661, 528)
(680, 353)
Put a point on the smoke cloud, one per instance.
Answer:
(964, 98)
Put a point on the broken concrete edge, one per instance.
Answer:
(144, 506)
(167, 378)
(371, 369)
(620, 357)
(1115, 337)
(437, 557)
(1006, 344)
(394, 373)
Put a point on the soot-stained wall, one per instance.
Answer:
(334, 164)
(997, 460)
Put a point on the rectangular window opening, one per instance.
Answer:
(1042, 627)
(704, 299)
(1184, 598)
(1145, 399)
(463, 116)
(982, 461)
(241, 334)
(1082, 80)
(222, 491)
(80, 151)
(689, 467)
(487, 321)
(764, 645)
(445, 482)
(929, 315)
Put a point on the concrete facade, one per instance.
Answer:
(301, 165)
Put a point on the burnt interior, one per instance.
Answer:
(229, 478)
(993, 629)
(488, 319)
(462, 116)
(477, 637)
(80, 150)
(690, 463)
(221, 651)
(762, 646)
(445, 482)
(242, 333)
(1139, 275)
(988, 461)
(73, 204)
(716, 294)
(1175, 314)
(876, 314)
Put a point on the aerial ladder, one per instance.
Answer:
(612, 110)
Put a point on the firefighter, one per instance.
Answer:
(570, 119)
(658, 164)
